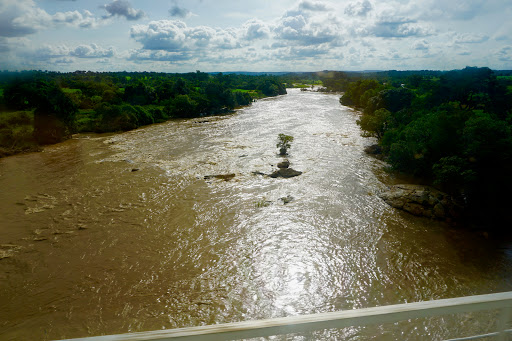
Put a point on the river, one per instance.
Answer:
(106, 234)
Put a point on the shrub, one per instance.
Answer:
(284, 143)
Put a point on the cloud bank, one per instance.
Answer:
(309, 35)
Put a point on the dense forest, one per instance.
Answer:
(450, 129)
(38, 108)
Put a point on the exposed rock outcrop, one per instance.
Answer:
(283, 164)
(286, 199)
(422, 201)
(285, 173)
(374, 149)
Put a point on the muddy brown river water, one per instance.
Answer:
(106, 234)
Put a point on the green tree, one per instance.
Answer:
(140, 94)
(182, 106)
(20, 95)
(54, 116)
(355, 91)
(122, 117)
(284, 143)
(375, 124)
(271, 87)
(489, 151)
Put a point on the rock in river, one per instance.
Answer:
(374, 149)
(8, 250)
(285, 173)
(225, 177)
(422, 201)
(286, 199)
(283, 164)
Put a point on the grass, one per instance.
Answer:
(16, 132)
(9, 118)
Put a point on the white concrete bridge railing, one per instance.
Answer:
(340, 319)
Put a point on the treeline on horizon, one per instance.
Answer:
(39, 107)
(452, 129)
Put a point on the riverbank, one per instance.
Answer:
(17, 128)
(65, 103)
(452, 129)
(420, 200)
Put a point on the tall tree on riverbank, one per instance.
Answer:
(54, 116)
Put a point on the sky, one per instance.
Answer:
(260, 36)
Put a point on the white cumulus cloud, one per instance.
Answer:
(20, 18)
(123, 8)
(360, 8)
(92, 51)
(308, 5)
(256, 29)
(175, 36)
